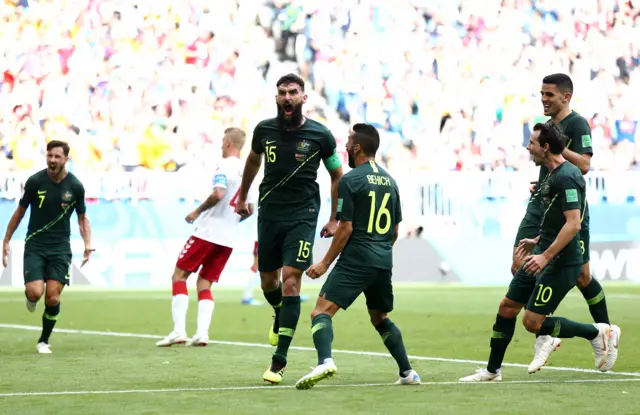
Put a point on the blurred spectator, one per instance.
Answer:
(453, 84)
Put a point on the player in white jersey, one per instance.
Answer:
(210, 246)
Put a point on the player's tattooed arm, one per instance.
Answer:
(213, 198)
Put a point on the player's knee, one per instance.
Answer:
(269, 281)
(377, 317)
(585, 276)
(508, 308)
(34, 294)
(290, 286)
(180, 275)
(52, 298)
(531, 323)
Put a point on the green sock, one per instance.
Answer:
(501, 336)
(392, 338)
(275, 299)
(49, 319)
(289, 315)
(322, 332)
(594, 295)
(566, 329)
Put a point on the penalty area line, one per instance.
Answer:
(310, 349)
(325, 386)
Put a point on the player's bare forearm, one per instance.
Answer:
(342, 235)
(85, 230)
(251, 167)
(211, 200)
(336, 175)
(569, 230)
(395, 234)
(14, 222)
(581, 161)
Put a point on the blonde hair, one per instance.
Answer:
(235, 136)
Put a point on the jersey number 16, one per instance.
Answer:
(376, 217)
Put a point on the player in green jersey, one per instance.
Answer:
(556, 93)
(369, 212)
(289, 203)
(53, 194)
(553, 269)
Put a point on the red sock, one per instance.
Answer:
(205, 295)
(180, 287)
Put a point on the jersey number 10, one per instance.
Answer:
(377, 217)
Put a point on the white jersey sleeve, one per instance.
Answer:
(218, 224)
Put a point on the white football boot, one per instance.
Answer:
(601, 345)
(483, 375)
(411, 379)
(198, 341)
(545, 345)
(173, 338)
(325, 370)
(43, 348)
(614, 340)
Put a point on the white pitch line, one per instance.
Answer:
(310, 349)
(355, 385)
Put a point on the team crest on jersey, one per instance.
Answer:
(300, 157)
(303, 146)
(544, 192)
(67, 196)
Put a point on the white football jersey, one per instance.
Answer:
(219, 224)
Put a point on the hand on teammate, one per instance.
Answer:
(533, 265)
(526, 246)
(317, 270)
(329, 229)
(86, 256)
(191, 217)
(5, 253)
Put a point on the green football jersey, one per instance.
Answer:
(289, 190)
(578, 135)
(369, 198)
(51, 208)
(564, 190)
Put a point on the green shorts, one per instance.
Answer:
(584, 241)
(544, 293)
(40, 266)
(283, 243)
(527, 229)
(344, 284)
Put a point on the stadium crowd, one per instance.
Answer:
(453, 83)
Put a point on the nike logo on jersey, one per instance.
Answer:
(271, 142)
(41, 192)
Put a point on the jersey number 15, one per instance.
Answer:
(376, 217)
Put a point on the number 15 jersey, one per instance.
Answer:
(369, 198)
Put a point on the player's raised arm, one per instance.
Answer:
(579, 150)
(334, 167)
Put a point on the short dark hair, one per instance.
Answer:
(290, 78)
(562, 81)
(550, 134)
(367, 136)
(56, 143)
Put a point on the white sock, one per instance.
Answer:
(179, 306)
(251, 283)
(205, 312)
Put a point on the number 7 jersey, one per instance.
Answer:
(218, 225)
(369, 198)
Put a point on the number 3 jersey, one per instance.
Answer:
(219, 224)
(369, 198)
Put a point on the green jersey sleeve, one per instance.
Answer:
(257, 145)
(345, 202)
(398, 208)
(29, 190)
(81, 207)
(580, 137)
(569, 193)
(328, 152)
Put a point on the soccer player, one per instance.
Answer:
(556, 263)
(53, 194)
(556, 93)
(289, 203)
(210, 245)
(369, 212)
